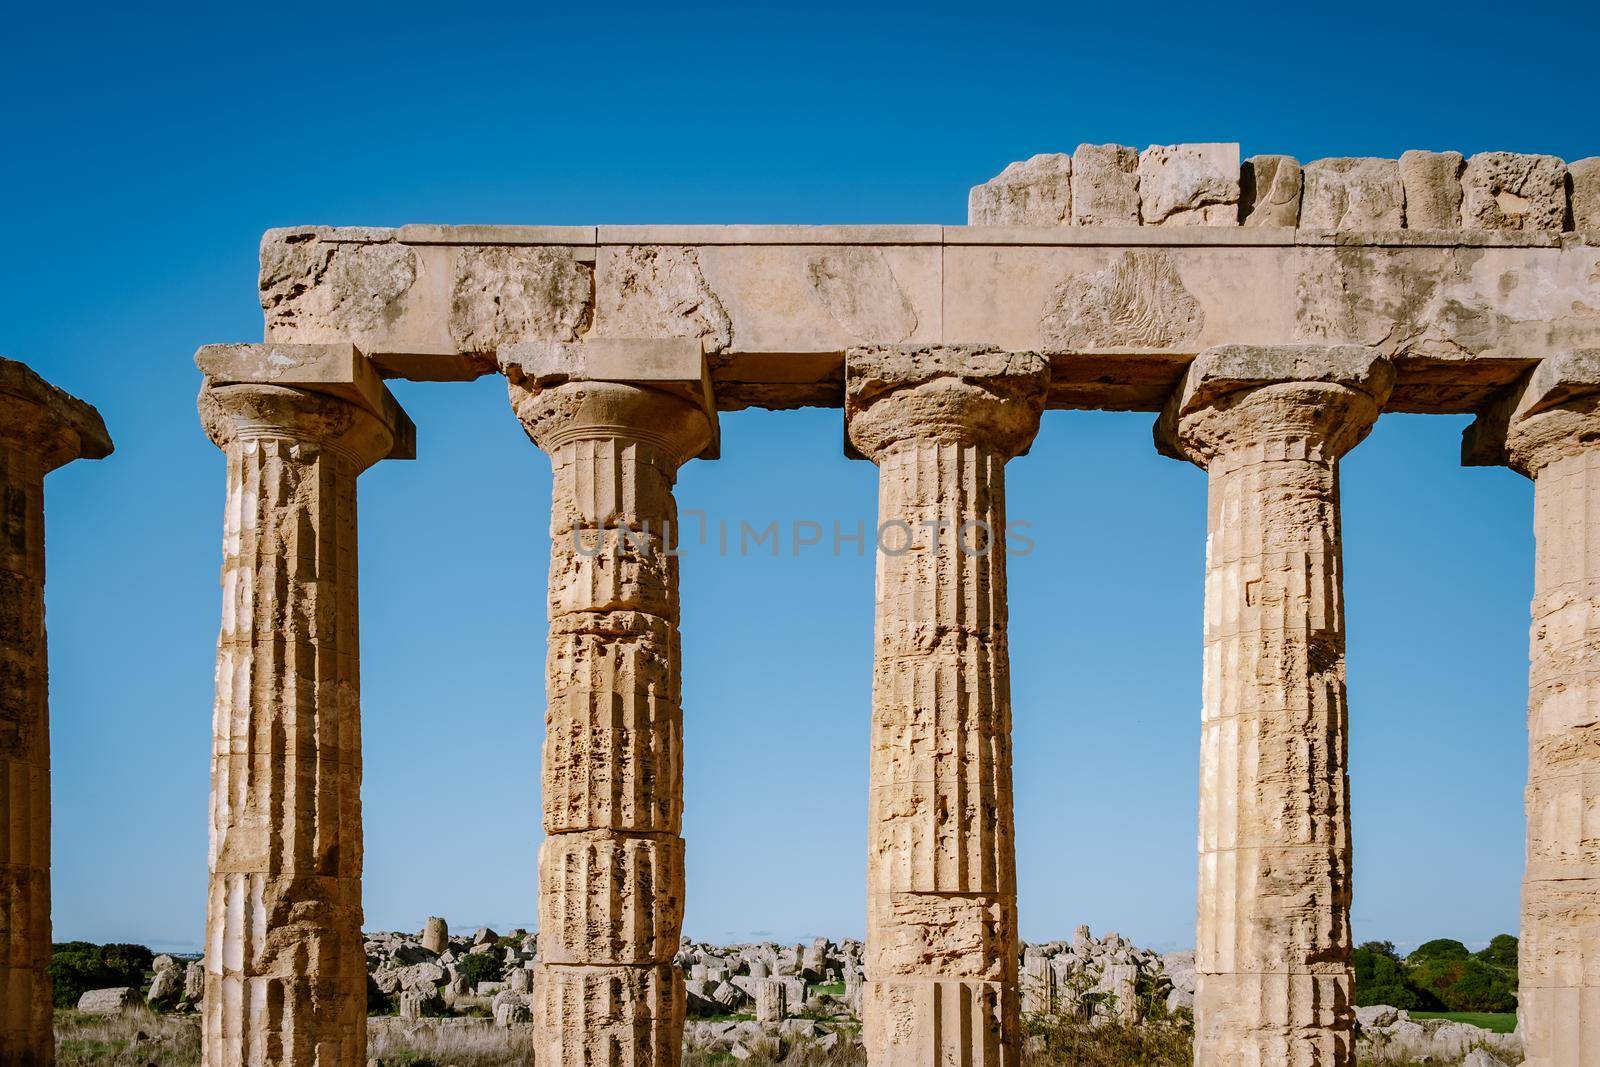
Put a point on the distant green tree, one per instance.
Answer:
(481, 967)
(79, 966)
(1381, 979)
(1502, 952)
(1482, 986)
(1441, 949)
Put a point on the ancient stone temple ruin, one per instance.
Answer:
(1267, 313)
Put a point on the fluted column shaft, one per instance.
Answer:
(285, 981)
(941, 964)
(1557, 444)
(1275, 987)
(606, 992)
(35, 438)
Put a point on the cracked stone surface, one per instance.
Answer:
(1105, 185)
(941, 960)
(1189, 185)
(1269, 189)
(1139, 301)
(1030, 192)
(1432, 183)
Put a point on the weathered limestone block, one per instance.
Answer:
(1269, 191)
(1583, 175)
(1105, 185)
(1189, 185)
(505, 294)
(611, 868)
(1549, 430)
(286, 977)
(317, 289)
(859, 289)
(1432, 183)
(1138, 301)
(941, 959)
(41, 428)
(115, 1000)
(1269, 425)
(1510, 191)
(1031, 192)
(771, 1000)
(652, 291)
(1353, 194)
(435, 935)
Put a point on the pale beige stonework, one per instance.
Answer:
(1353, 193)
(41, 428)
(1549, 429)
(1511, 191)
(1269, 426)
(1031, 192)
(1583, 178)
(1189, 185)
(1311, 296)
(285, 981)
(611, 878)
(941, 964)
(1105, 185)
(1432, 183)
(1269, 190)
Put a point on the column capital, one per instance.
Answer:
(657, 390)
(953, 394)
(1237, 396)
(1551, 413)
(325, 394)
(37, 417)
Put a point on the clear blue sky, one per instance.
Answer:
(147, 148)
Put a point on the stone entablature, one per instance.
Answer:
(1119, 311)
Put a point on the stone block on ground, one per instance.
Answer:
(110, 1001)
(1583, 177)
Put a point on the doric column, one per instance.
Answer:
(1269, 426)
(1549, 430)
(941, 963)
(285, 971)
(617, 420)
(41, 428)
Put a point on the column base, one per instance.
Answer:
(1274, 1020)
(916, 1022)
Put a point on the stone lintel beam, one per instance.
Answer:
(1269, 425)
(41, 428)
(672, 365)
(338, 370)
(1119, 311)
(940, 422)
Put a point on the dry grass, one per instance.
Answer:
(138, 1039)
(447, 1043)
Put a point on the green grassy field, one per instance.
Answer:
(1499, 1022)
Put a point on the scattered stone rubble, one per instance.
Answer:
(746, 999)
(1209, 185)
(1390, 1035)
